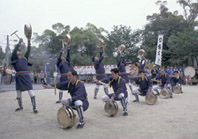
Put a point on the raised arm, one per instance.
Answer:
(101, 56)
(68, 56)
(106, 80)
(59, 58)
(14, 53)
(27, 54)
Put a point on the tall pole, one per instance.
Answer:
(7, 52)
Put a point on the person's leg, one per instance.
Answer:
(124, 104)
(79, 109)
(96, 91)
(171, 90)
(136, 93)
(19, 99)
(60, 97)
(181, 88)
(130, 87)
(106, 98)
(155, 88)
(33, 100)
(106, 90)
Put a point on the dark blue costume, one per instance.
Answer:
(165, 79)
(175, 80)
(121, 66)
(144, 85)
(23, 79)
(120, 92)
(64, 66)
(78, 100)
(77, 92)
(118, 85)
(100, 73)
(154, 73)
(142, 63)
(99, 67)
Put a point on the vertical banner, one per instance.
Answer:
(158, 58)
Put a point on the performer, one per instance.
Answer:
(121, 66)
(78, 100)
(63, 64)
(145, 85)
(142, 60)
(100, 72)
(164, 82)
(23, 80)
(119, 88)
(176, 80)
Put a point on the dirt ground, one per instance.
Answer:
(175, 118)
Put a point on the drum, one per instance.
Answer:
(177, 89)
(111, 108)
(165, 93)
(151, 98)
(189, 71)
(7, 78)
(66, 117)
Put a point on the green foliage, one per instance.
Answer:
(2, 54)
(180, 40)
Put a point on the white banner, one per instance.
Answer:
(158, 58)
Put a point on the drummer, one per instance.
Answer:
(145, 85)
(176, 80)
(119, 88)
(78, 100)
(164, 82)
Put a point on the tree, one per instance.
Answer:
(58, 27)
(123, 35)
(166, 23)
(2, 54)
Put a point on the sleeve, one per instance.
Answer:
(101, 57)
(80, 93)
(137, 80)
(62, 85)
(59, 59)
(119, 60)
(27, 54)
(68, 56)
(14, 53)
(106, 80)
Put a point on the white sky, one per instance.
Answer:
(41, 14)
